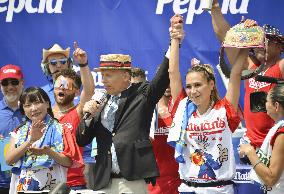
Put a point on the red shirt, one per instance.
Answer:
(169, 181)
(75, 175)
(258, 124)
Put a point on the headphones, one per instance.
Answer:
(46, 71)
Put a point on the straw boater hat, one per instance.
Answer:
(56, 48)
(115, 62)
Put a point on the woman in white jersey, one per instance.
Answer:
(267, 162)
(202, 131)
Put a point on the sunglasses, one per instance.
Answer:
(64, 84)
(6, 82)
(55, 61)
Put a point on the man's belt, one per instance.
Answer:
(210, 184)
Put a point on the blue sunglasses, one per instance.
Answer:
(55, 61)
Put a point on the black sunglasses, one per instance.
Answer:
(6, 82)
(55, 61)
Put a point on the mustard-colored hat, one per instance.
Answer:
(56, 48)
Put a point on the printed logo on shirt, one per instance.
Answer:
(67, 126)
(162, 131)
(256, 84)
(206, 127)
(207, 164)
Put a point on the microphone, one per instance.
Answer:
(268, 79)
(86, 115)
(101, 101)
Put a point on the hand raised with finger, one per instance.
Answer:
(79, 55)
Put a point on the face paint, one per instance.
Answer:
(63, 83)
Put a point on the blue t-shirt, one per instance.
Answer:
(9, 120)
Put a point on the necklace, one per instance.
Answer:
(206, 112)
(63, 111)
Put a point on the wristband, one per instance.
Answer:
(83, 65)
(258, 162)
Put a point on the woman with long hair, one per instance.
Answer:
(36, 147)
(202, 130)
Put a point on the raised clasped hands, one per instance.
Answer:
(176, 29)
(37, 131)
(79, 55)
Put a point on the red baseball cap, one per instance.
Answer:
(10, 71)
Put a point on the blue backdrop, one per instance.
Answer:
(138, 28)
(135, 27)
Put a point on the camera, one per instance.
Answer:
(257, 101)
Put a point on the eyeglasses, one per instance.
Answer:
(55, 61)
(6, 82)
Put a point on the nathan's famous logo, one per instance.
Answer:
(31, 6)
(242, 176)
(189, 7)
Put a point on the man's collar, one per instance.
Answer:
(51, 87)
(3, 104)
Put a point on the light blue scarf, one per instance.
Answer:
(180, 143)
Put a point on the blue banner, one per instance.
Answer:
(138, 28)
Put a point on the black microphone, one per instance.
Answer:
(268, 79)
(100, 102)
(86, 115)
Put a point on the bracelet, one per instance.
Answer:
(83, 65)
(258, 162)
